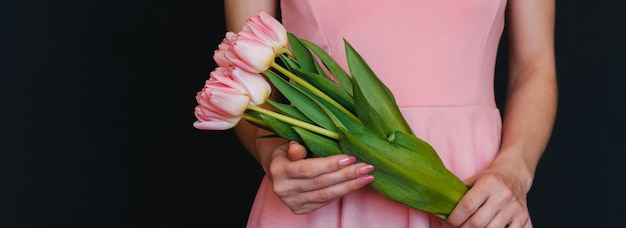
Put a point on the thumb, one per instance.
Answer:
(296, 151)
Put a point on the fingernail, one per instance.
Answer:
(365, 180)
(365, 169)
(292, 143)
(346, 161)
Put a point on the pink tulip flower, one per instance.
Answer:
(221, 103)
(250, 54)
(268, 29)
(219, 53)
(256, 85)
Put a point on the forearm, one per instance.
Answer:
(260, 148)
(236, 13)
(532, 89)
(528, 121)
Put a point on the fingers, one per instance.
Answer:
(307, 184)
(348, 179)
(469, 204)
(299, 168)
(296, 151)
(337, 179)
(490, 203)
(518, 223)
(311, 200)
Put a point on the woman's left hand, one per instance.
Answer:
(496, 199)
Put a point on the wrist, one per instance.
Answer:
(516, 168)
(267, 149)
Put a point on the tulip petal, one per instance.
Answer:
(219, 54)
(213, 125)
(209, 120)
(250, 54)
(269, 30)
(229, 101)
(256, 85)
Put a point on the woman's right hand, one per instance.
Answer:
(306, 184)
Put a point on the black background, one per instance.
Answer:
(97, 103)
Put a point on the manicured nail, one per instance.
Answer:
(365, 170)
(365, 180)
(346, 161)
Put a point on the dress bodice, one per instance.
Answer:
(429, 53)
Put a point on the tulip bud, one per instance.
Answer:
(219, 54)
(256, 85)
(250, 54)
(269, 30)
(221, 103)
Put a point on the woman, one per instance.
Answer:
(438, 58)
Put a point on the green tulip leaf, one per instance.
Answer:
(320, 70)
(375, 92)
(319, 145)
(402, 175)
(419, 146)
(338, 117)
(329, 87)
(289, 110)
(269, 136)
(287, 62)
(301, 101)
(255, 119)
(333, 67)
(302, 54)
(368, 115)
(281, 128)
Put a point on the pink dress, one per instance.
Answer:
(438, 58)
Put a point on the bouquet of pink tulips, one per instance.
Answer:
(330, 111)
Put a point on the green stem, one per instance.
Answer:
(295, 122)
(255, 120)
(313, 89)
(288, 53)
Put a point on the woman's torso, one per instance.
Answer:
(438, 59)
